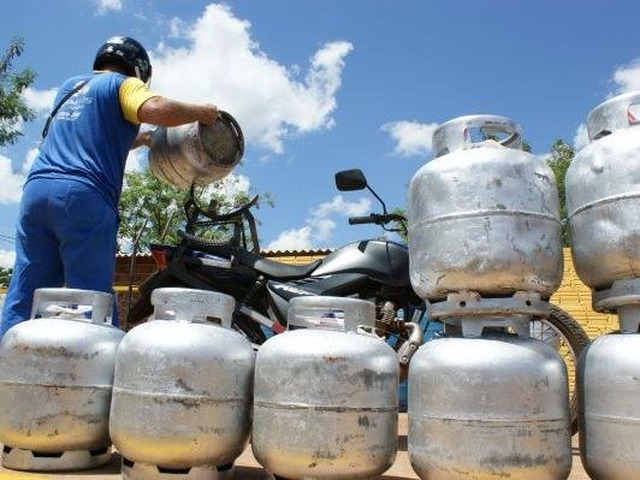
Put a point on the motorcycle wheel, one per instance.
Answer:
(564, 333)
(142, 309)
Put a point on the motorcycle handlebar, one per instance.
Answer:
(360, 220)
(380, 219)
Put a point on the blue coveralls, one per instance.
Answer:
(68, 220)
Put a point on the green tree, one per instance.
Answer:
(5, 276)
(13, 109)
(152, 210)
(401, 227)
(559, 160)
(149, 210)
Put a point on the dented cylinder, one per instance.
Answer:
(183, 386)
(196, 153)
(326, 397)
(494, 406)
(603, 195)
(484, 214)
(56, 379)
(609, 409)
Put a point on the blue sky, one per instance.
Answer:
(320, 86)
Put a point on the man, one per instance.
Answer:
(68, 221)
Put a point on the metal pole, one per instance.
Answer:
(132, 265)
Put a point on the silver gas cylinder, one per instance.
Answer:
(609, 409)
(182, 396)
(55, 382)
(483, 214)
(196, 153)
(603, 195)
(490, 406)
(326, 396)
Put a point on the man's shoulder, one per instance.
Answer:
(73, 81)
(94, 77)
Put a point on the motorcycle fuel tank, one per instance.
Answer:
(383, 261)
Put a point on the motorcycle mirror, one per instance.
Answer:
(347, 180)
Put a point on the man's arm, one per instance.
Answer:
(141, 105)
(170, 113)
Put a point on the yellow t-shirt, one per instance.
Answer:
(133, 93)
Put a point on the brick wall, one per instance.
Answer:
(574, 297)
(143, 267)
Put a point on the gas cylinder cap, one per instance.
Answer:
(473, 130)
(192, 305)
(88, 305)
(617, 113)
(331, 313)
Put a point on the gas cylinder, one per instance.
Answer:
(182, 398)
(326, 396)
(196, 153)
(483, 214)
(603, 195)
(493, 406)
(56, 380)
(609, 410)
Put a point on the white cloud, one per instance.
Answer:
(320, 226)
(137, 159)
(231, 185)
(105, 6)
(222, 64)
(412, 138)
(40, 100)
(294, 239)
(10, 182)
(581, 138)
(338, 205)
(323, 228)
(627, 77)
(30, 157)
(7, 258)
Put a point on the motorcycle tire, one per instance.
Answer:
(563, 332)
(142, 309)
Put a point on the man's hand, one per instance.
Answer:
(210, 114)
(143, 138)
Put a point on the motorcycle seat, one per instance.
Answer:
(274, 269)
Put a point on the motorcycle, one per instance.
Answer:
(372, 269)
